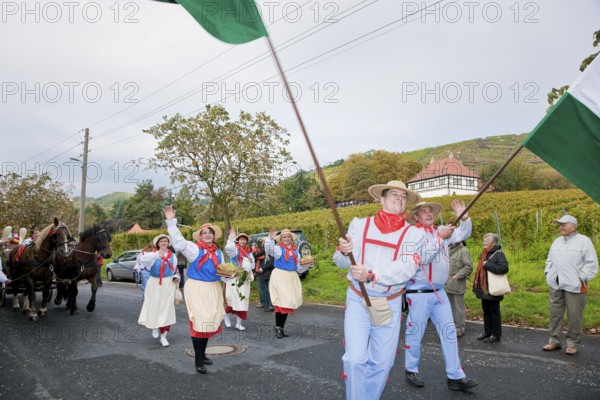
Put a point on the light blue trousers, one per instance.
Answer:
(422, 307)
(370, 350)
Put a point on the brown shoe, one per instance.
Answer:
(571, 351)
(551, 347)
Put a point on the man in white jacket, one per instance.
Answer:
(572, 262)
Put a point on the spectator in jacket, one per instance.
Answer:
(264, 266)
(461, 266)
(572, 262)
(492, 259)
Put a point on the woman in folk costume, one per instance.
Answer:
(202, 290)
(285, 286)
(158, 310)
(237, 294)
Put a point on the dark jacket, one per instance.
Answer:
(496, 263)
(266, 263)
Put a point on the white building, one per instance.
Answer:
(445, 177)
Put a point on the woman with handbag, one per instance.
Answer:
(491, 261)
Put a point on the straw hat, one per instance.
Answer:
(157, 238)
(285, 232)
(436, 208)
(198, 237)
(242, 235)
(377, 190)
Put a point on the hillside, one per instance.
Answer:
(478, 153)
(107, 200)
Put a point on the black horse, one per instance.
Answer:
(81, 263)
(33, 264)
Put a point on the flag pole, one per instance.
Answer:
(326, 190)
(484, 187)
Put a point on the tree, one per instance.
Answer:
(300, 192)
(555, 93)
(94, 214)
(145, 206)
(34, 200)
(227, 162)
(187, 210)
(360, 171)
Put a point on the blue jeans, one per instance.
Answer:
(263, 291)
(145, 275)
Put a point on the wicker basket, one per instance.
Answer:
(308, 260)
(227, 270)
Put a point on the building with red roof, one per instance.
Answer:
(445, 177)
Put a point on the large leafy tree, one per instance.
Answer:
(230, 163)
(34, 200)
(145, 206)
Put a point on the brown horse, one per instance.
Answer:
(33, 264)
(81, 264)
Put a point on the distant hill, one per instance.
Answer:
(477, 153)
(107, 200)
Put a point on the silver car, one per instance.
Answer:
(122, 266)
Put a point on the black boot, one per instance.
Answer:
(199, 355)
(278, 332)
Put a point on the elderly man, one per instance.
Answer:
(427, 299)
(572, 262)
(388, 252)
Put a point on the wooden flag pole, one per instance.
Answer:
(484, 188)
(320, 174)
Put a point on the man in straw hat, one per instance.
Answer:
(427, 299)
(237, 294)
(202, 291)
(388, 252)
(571, 264)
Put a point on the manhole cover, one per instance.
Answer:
(219, 350)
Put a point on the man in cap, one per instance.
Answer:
(572, 262)
(427, 299)
(388, 252)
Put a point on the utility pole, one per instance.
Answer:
(83, 180)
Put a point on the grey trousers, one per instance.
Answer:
(575, 304)
(457, 302)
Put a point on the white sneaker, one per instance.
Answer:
(239, 325)
(155, 333)
(163, 339)
(227, 320)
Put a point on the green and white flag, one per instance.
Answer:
(568, 137)
(232, 21)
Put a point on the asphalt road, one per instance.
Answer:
(106, 355)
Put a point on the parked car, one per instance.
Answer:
(301, 244)
(122, 266)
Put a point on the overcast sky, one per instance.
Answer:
(365, 77)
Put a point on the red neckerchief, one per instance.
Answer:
(166, 260)
(429, 229)
(242, 252)
(210, 252)
(289, 251)
(388, 223)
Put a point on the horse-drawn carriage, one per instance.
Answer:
(54, 261)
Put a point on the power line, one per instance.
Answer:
(363, 36)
